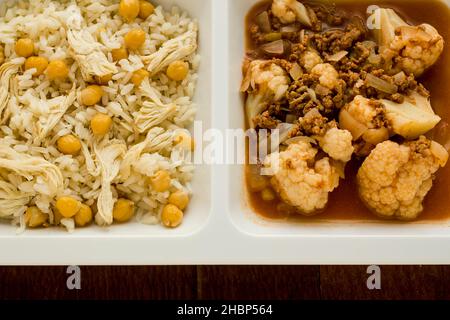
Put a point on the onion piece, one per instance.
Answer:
(439, 152)
(290, 28)
(300, 139)
(276, 48)
(296, 71)
(263, 22)
(267, 144)
(399, 77)
(347, 122)
(337, 56)
(302, 35)
(380, 84)
(312, 94)
(272, 36)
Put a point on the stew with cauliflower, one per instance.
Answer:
(360, 102)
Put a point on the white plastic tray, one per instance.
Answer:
(219, 228)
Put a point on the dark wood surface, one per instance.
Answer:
(226, 282)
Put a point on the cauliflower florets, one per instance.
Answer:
(265, 82)
(309, 59)
(412, 49)
(300, 180)
(366, 120)
(289, 11)
(337, 143)
(412, 118)
(394, 179)
(328, 76)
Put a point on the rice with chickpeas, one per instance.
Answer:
(84, 137)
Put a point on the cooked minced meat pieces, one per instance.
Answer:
(329, 15)
(307, 93)
(257, 35)
(335, 40)
(316, 125)
(420, 148)
(266, 121)
(379, 120)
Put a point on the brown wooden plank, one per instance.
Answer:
(226, 282)
(397, 282)
(258, 282)
(153, 282)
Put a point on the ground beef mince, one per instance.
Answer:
(335, 40)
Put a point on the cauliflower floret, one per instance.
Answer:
(328, 76)
(412, 49)
(337, 143)
(289, 11)
(366, 120)
(310, 59)
(413, 117)
(300, 180)
(394, 179)
(264, 82)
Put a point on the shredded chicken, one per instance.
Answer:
(57, 107)
(108, 157)
(87, 51)
(7, 70)
(47, 177)
(153, 111)
(175, 49)
(89, 56)
(156, 140)
(12, 201)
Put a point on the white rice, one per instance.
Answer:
(30, 106)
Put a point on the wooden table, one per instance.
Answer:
(226, 282)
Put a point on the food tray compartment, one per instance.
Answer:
(243, 217)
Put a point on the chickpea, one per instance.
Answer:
(178, 70)
(160, 182)
(134, 39)
(35, 217)
(180, 199)
(24, 47)
(101, 124)
(69, 144)
(91, 95)
(68, 206)
(57, 70)
(83, 216)
(171, 216)
(145, 9)
(184, 140)
(123, 210)
(129, 9)
(119, 54)
(103, 79)
(38, 63)
(139, 76)
(267, 194)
